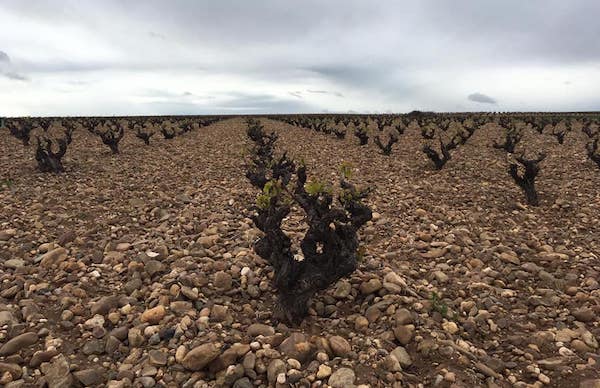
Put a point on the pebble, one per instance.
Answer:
(339, 346)
(342, 378)
(199, 357)
(154, 315)
(18, 343)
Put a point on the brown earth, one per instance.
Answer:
(495, 293)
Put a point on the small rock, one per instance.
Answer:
(584, 314)
(14, 263)
(57, 372)
(154, 315)
(450, 327)
(342, 378)
(223, 281)
(402, 356)
(403, 317)
(90, 377)
(157, 358)
(275, 367)
(391, 364)
(371, 286)
(122, 247)
(342, 290)
(17, 343)
(339, 346)
(361, 324)
(7, 234)
(53, 257)
(323, 372)
(257, 329)
(404, 333)
(199, 357)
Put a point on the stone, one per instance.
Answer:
(228, 358)
(222, 281)
(440, 277)
(152, 267)
(132, 285)
(208, 241)
(361, 324)
(339, 346)
(391, 364)
(90, 377)
(434, 253)
(296, 346)
(342, 290)
(403, 317)
(589, 339)
(342, 378)
(53, 257)
(450, 327)
(199, 357)
(244, 382)
(404, 333)
(93, 347)
(6, 318)
(323, 372)
(17, 343)
(157, 358)
(135, 337)
(275, 367)
(371, 286)
(14, 263)
(595, 383)
(57, 372)
(257, 329)
(104, 305)
(122, 247)
(584, 314)
(66, 237)
(402, 356)
(14, 370)
(7, 234)
(154, 315)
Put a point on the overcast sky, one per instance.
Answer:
(275, 56)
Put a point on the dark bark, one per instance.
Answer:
(339, 133)
(386, 149)
(47, 158)
(111, 136)
(526, 181)
(593, 151)
(511, 139)
(144, 135)
(438, 159)
(167, 133)
(328, 250)
(20, 131)
(362, 135)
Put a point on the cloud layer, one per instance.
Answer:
(268, 56)
(479, 97)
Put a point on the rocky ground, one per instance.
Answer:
(138, 270)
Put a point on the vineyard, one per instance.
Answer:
(448, 250)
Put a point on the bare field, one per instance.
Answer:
(138, 269)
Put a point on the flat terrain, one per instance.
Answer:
(118, 267)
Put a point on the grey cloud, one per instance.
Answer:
(413, 55)
(482, 98)
(15, 76)
(263, 103)
(6, 68)
(338, 94)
